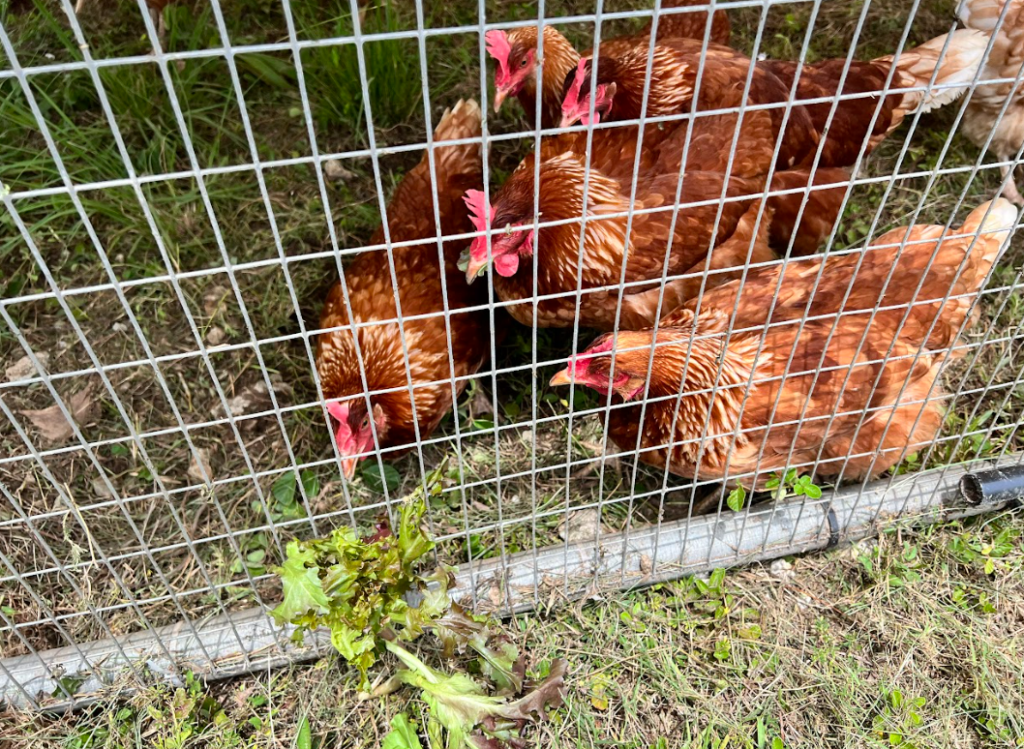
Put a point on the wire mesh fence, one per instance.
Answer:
(184, 185)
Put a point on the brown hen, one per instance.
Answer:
(695, 229)
(621, 79)
(606, 247)
(515, 52)
(372, 298)
(875, 399)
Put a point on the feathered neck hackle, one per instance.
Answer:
(561, 198)
(670, 88)
(713, 371)
(556, 60)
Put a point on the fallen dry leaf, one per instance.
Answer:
(780, 569)
(333, 170)
(215, 299)
(195, 473)
(253, 398)
(646, 564)
(581, 526)
(480, 405)
(494, 596)
(597, 450)
(101, 490)
(50, 422)
(215, 336)
(23, 369)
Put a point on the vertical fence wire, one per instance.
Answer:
(506, 523)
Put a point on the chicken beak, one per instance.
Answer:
(348, 467)
(499, 99)
(561, 378)
(473, 269)
(567, 121)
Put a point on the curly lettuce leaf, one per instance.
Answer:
(402, 735)
(370, 593)
(357, 586)
(301, 582)
(412, 542)
(500, 662)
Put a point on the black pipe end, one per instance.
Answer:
(994, 486)
(970, 489)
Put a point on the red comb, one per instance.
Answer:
(499, 48)
(581, 360)
(599, 347)
(478, 211)
(338, 410)
(572, 99)
(343, 432)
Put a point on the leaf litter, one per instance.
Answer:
(51, 423)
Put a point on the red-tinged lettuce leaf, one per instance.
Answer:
(301, 582)
(434, 603)
(456, 627)
(462, 707)
(500, 662)
(358, 588)
(550, 693)
(381, 531)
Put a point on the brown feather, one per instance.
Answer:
(606, 248)
(419, 274)
(560, 57)
(871, 403)
(853, 130)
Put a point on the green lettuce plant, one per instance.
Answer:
(374, 595)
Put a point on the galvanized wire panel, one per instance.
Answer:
(173, 218)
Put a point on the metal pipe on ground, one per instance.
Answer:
(650, 555)
(999, 484)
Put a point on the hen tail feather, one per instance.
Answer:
(957, 68)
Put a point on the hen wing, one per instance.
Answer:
(983, 15)
(838, 397)
(692, 25)
(881, 276)
(458, 168)
(853, 117)
(817, 209)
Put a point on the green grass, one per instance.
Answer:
(144, 116)
(910, 640)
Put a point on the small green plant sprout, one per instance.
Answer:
(900, 717)
(791, 485)
(361, 587)
(736, 499)
(989, 554)
(186, 715)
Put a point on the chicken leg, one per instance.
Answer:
(1009, 189)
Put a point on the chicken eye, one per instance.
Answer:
(366, 422)
(522, 63)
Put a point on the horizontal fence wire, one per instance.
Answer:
(167, 413)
